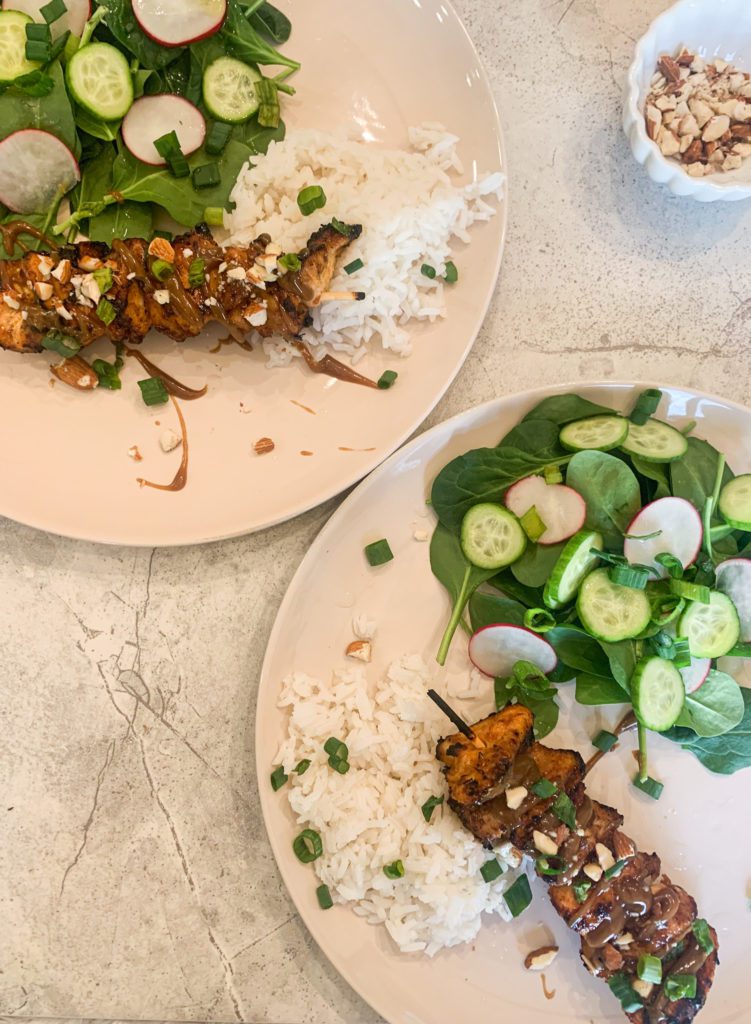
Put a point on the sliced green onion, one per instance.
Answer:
(104, 279)
(623, 991)
(581, 890)
(491, 870)
(153, 391)
(539, 620)
(395, 870)
(532, 524)
(550, 866)
(56, 341)
(675, 649)
(452, 274)
(323, 895)
(649, 786)
(615, 870)
(430, 805)
(689, 428)
(336, 748)
(673, 565)
(544, 788)
(162, 270)
(608, 557)
(552, 475)
(636, 577)
(207, 176)
(681, 652)
(290, 261)
(564, 810)
(197, 273)
(680, 986)
(58, 46)
(427, 270)
(379, 553)
(354, 266)
(519, 896)
(703, 935)
(217, 138)
(167, 145)
(53, 11)
(106, 311)
(341, 227)
(339, 764)
(664, 607)
(268, 98)
(642, 536)
(109, 375)
(37, 50)
(35, 83)
(691, 591)
(649, 968)
(605, 741)
(278, 778)
(302, 766)
(308, 846)
(166, 235)
(311, 199)
(38, 33)
(178, 165)
(214, 216)
(646, 405)
(387, 379)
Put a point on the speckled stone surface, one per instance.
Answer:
(135, 877)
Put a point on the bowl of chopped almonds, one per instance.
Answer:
(688, 100)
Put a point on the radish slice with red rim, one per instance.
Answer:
(180, 22)
(151, 117)
(734, 581)
(77, 14)
(494, 650)
(678, 530)
(561, 508)
(36, 170)
(695, 674)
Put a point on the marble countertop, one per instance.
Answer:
(136, 881)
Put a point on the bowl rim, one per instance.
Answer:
(717, 188)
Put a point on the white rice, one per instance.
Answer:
(372, 816)
(410, 209)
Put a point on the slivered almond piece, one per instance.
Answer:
(544, 844)
(162, 249)
(43, 290)
(669, 69)
(604, 856)
(264, 446)
(76, 373)
(593, 871)
(515, 797)
(62, 271)
(360, 650)
(540, 958)
(716, 128)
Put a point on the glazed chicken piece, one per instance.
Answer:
(615, 897)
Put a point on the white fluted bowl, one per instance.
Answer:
(712, 28)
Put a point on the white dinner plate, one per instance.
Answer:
(373, 69)
(700, 827)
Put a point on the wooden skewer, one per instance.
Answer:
(342, 296)
(459, 722)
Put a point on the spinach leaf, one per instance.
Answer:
(52, 112)
(531, 688)
(488, 609)
(123, 220)
(459, 577)
(530, 597)
(622, 658)
(693, 476)
(536, 437)
(592, 690)
(256, 137)
(579, 651)
(244, 42)
(715, 708)
(122, 23)
(534, 567)
(270, 22)
(656, 473)
(107, 131)
(563, 409)
(173, 78)
(725, 754)
(610, 490)
(545, 712)
(484, 474)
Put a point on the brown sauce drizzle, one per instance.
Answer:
(548, 993)
(625, 725)
(341, 449)
(305, 408)
(332, 367)
(181, 477)
(173, 386)
(10, 234)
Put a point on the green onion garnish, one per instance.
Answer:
(290, 261)
(491, 870)
(673, 565)
(605, 741)
(302, 766)
(109, 375)
(341, 227)
(206, 176)
(681, 652)
(550, 866)
(153, 391)
(268, 103)
(104, 279)
(427, 270)
(354, 266)
(162, 270)
(622, 989)
(167, 145)
(339, 764)
(58, 46)
(323, 895)
(452, 274)
(197, 273)
(217, 138)
(634, 576)
(649, 786)
(519, 896)
(308, 846)
(564, 810)
(539, 620)
(311, 199)
(649, 968)
(532, 524)
(430, 805)
(37, 50)
(646, 405)
(395, 870)
(278, 778)
(161, 233)
(615, 870)
(690, 591)
(214, 216)
(56, 341)
(336, 748)
(106, 311)
(38, 33)
(178, 165)
(581, 889)
(379, 553)
(544, 788)
(52, 11)
(680, 986)
(387, 379)
(552, 475)
(703, 935)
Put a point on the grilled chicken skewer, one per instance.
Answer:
(614, 896)
(149, 287)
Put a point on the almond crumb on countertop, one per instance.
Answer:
(169, 440)
(263, 446)
(421, 535)
(361, 650)
(135, 454)
(540, 958)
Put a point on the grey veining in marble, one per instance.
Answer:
(135, 877)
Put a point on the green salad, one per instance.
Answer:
(608, 550)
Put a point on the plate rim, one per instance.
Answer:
(319, 543)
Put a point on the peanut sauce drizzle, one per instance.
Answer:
(333, 367)
(10, 233)
(174, 387)
(627, 723)
(181, 477)
(549, 993)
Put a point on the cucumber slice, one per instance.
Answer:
(655, 442)
(492, 537)
(735, 502)
(574, 563)
(611, 612)
(601, 433)
(99, 80)
(712, 629)
(13, 62)
(229, 90)
(657, 693)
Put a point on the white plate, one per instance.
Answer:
(374, 69)
(700, 827)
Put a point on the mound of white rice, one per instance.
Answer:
(372, 816)
(410, 210)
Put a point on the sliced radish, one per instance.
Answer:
(151, 117)
(562, 509)
(695, 674)
(495, 650)
(36, 169)
(77, 14)
(679, 532)
(180, 22)
(734, 581)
